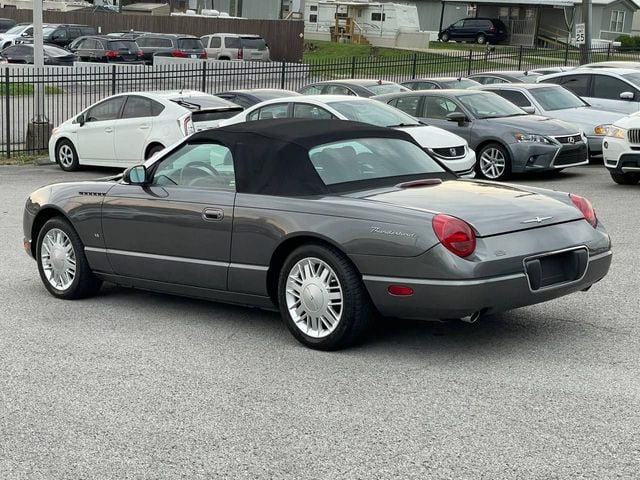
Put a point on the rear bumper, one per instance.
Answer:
(459, 298)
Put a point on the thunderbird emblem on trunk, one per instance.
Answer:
(536, 220)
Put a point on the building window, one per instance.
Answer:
(378, 17)
(617, 21)
(313, 8)
(313, 18)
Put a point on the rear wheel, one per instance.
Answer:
(494, 162)
(151, 151)
(62, 265)
(625, 178)
(445, 37)
(322, 298)
(481, 39)
(66, 156)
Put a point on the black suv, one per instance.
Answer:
(166, 45)
(61, 34)
(480, 30)
(106, 50)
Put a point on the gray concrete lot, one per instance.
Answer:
(138, 385)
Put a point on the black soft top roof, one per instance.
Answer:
(271, 156)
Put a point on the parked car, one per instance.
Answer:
(479, 30)
(60, 35)
(247, 214)
(233, 46)
(449, 149)
(127, 128)
(506, 139)
(248, 98)
(358, 87)
(621, 150)
(6, 24)
(167, 45)
(23, 53)
(21, 30)
(515, 76)
(616, 89)
(612, 64)
(107, 50)
(439, 83)
(554, 101)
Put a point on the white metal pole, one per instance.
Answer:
(38, 60)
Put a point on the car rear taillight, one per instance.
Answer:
(111, 54)
(185, 123)
(140, 53)
(178, 53)
(492, 30)
(240, 54)
(586, 208)
(204, 55)
(455, 234)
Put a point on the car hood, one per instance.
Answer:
(586, 117)
(533, 124)
(631, 121)
(490, 208)
(433, 137)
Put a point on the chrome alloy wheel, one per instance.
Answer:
(314, 297)
(65, 156)
(492, 163)
(58, 259)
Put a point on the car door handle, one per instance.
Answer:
(212, 214)
(108, 130)
(144, 127)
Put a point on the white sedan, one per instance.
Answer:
(126, 129)
(450, 149)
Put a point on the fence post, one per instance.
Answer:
(7, 105)
(353, 67)
(608, 50)
(204, 75)
(283, 74)
(566, 54)
(113, 79)
(414, 67)
(520, 58)
(469, 63)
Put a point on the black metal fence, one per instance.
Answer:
(66, 91)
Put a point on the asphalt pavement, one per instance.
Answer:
(131, 384)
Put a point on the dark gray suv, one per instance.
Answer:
(479, 30)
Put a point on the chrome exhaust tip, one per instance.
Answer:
(473, 318)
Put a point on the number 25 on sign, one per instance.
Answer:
(580, 34)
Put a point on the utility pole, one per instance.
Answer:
(585, 56)
(38, 129)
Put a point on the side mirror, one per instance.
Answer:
(135, 175)
(626, 96)
(530, 110)
(458, 117)
(80, 119)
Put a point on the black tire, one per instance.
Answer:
(355, 311)
(84, 282)
(152, 151)
(67, 156)
(490, 149)
(445, 37)
(625, 178)
(481, 39)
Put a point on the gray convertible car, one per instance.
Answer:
(330, 222)
(506, 139)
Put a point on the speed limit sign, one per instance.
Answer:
(580, 34)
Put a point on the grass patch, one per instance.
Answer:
(24, 89)
(19, 159)
(321, 51)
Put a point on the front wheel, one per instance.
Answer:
(66, 156)
(625, 178)
(322, 298)
(445, 37)
(494, 162)
(62, 265)
(481, 39)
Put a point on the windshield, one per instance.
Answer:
(17, 30)
(633, 78)
(200, 102)
(463, 83)
(373, 112)
(271, 94)
(190, 44)
(253, 43)
(47, 31)
(489, 105)
(379, 89)
(123, 45)
(370, 159)
(529, 77)
(556, 98)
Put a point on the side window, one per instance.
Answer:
(278, 110)
(107, 110)
(337, 90)
(517, 98)
(312, 90)
(609, 87)
(138, 107)
(242, 101)
(74, 33)
(407, 105)
(426, 86)
(305, 110)
(197, 165)
(142, 42)
(232, 42)
(215, 42)
(439, 107)
(458, 24)
(578, 84)
(205, 41)
(60, 34)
